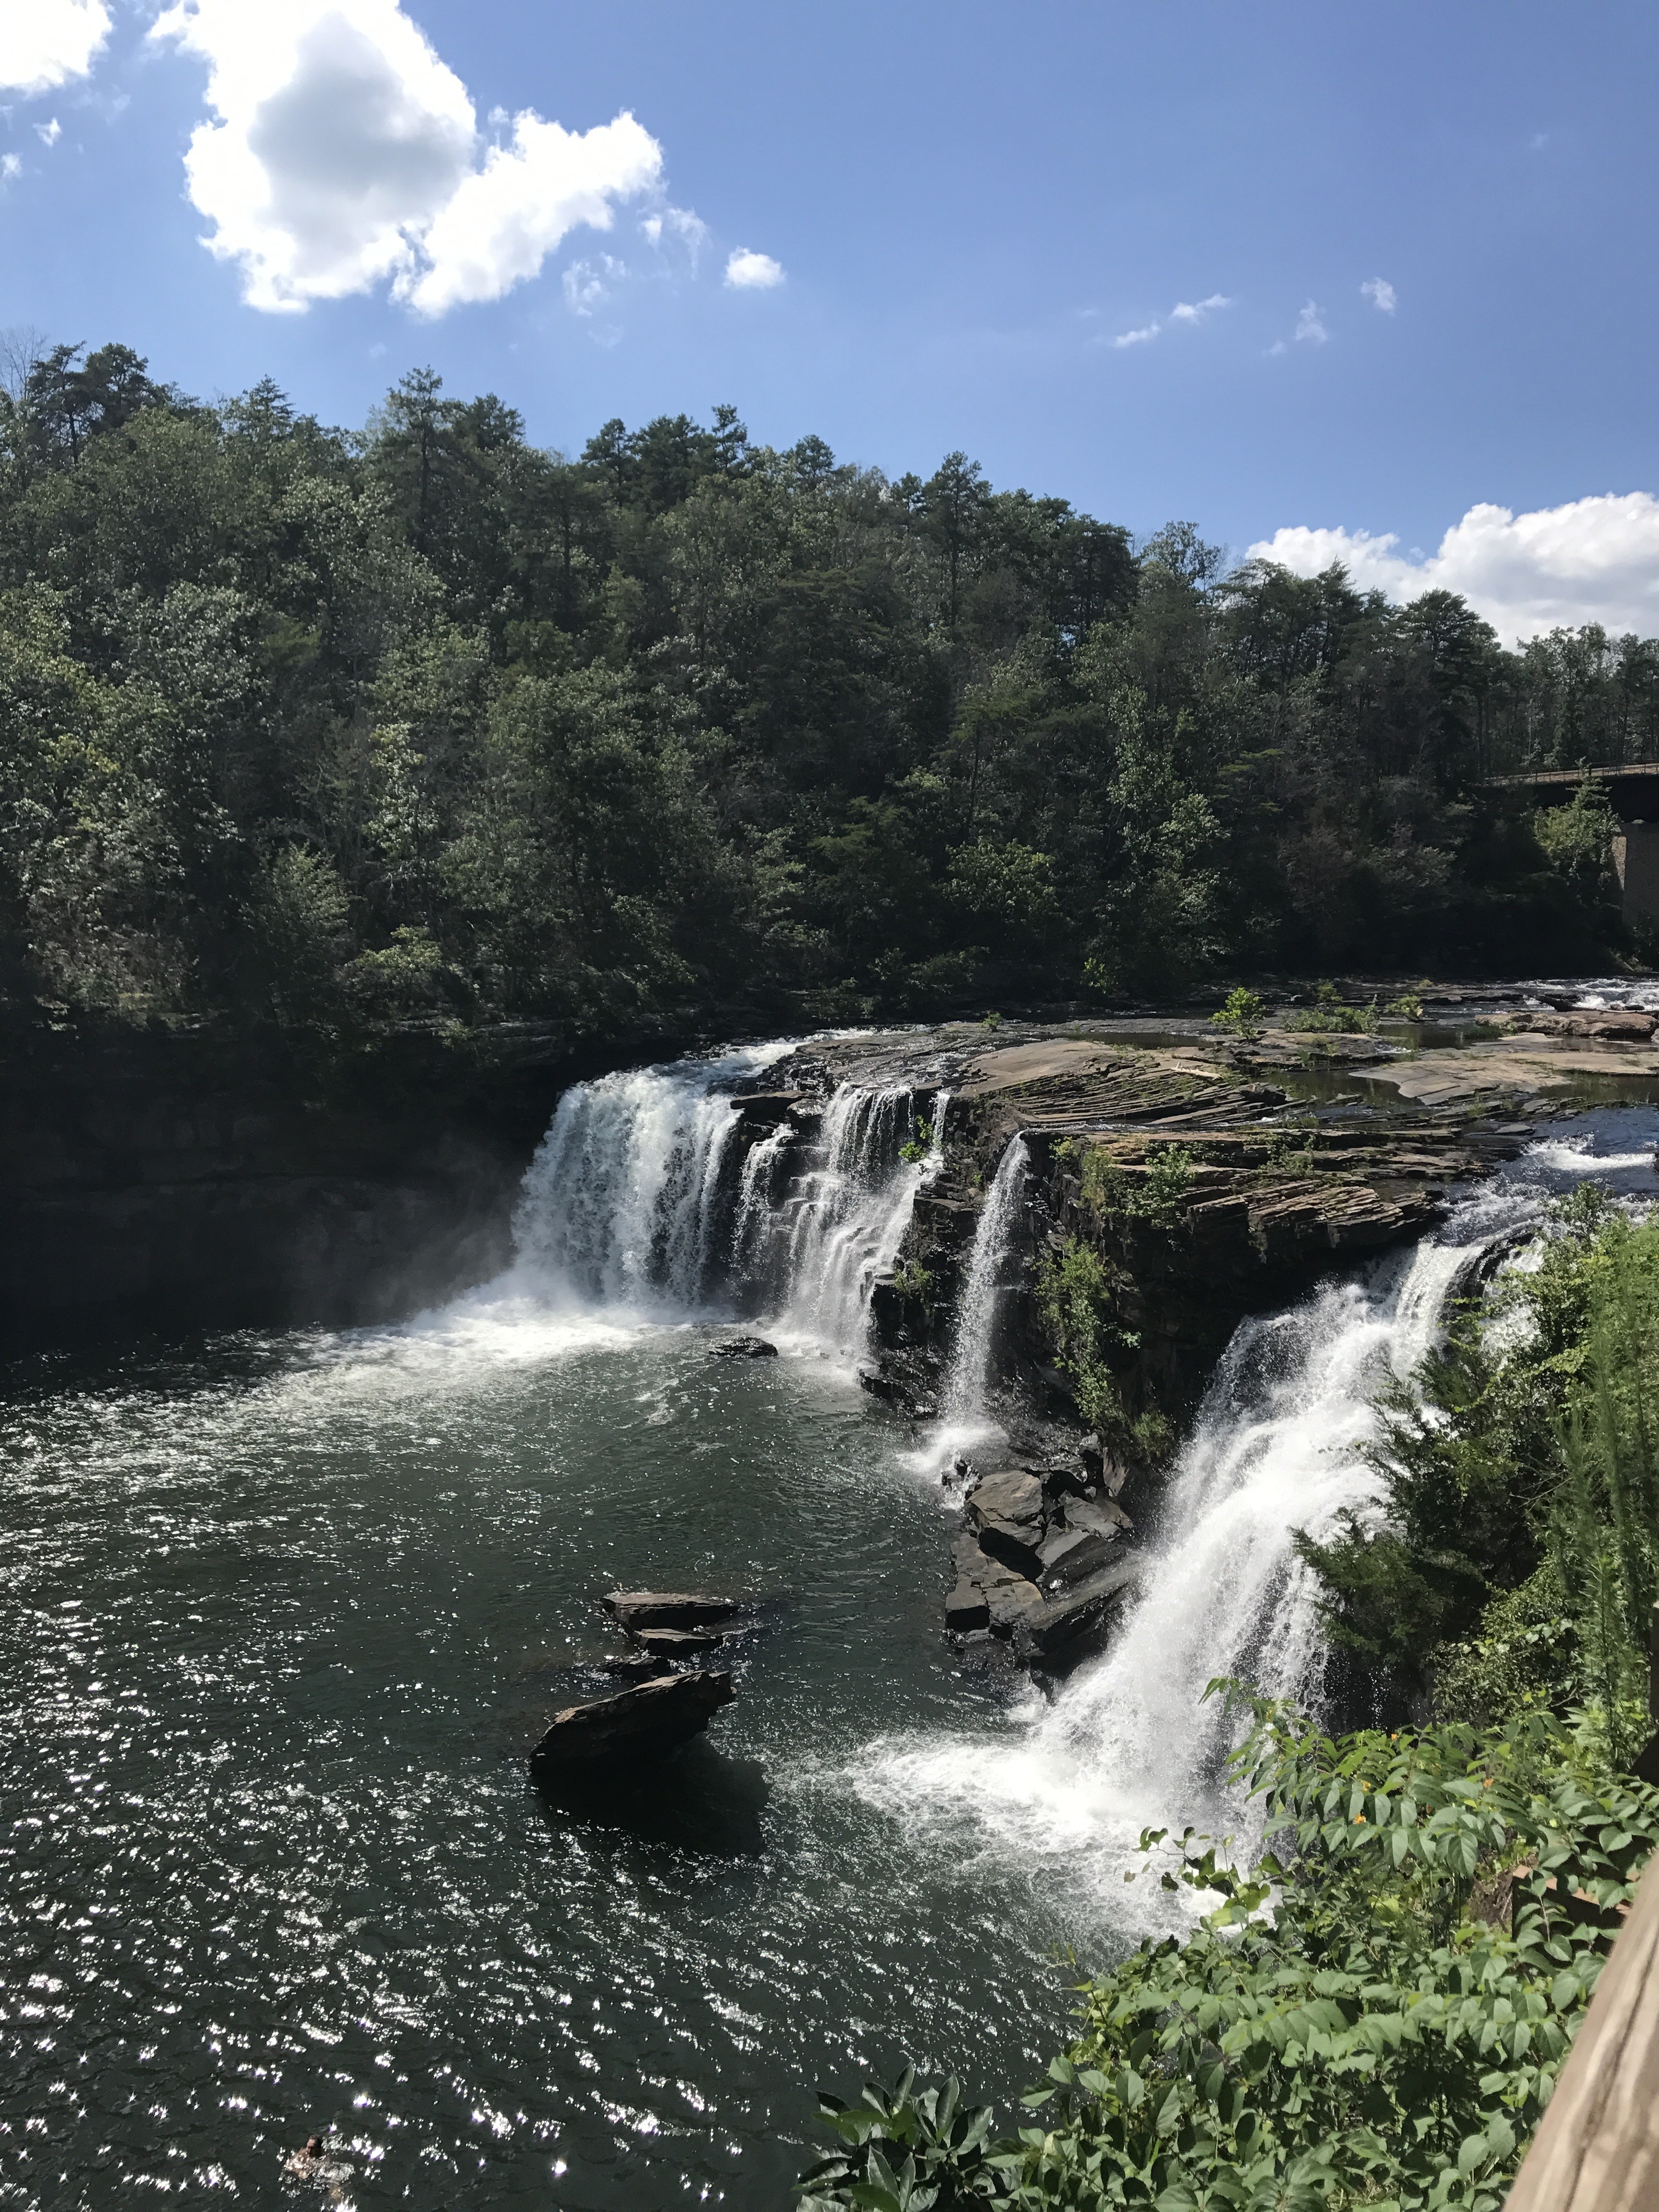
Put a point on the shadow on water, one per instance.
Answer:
(699, 1800)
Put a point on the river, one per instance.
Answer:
(282, 1611)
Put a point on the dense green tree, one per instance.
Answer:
(339, 729)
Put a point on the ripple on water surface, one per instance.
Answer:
(278, 1615)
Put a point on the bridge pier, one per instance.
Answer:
(1635, 860)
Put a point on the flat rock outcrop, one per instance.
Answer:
(646, 1609)
(646, 1721)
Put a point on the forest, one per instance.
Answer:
(421, 724)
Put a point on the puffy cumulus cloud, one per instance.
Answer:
(746, 271)
(346, 153)
(44, 43)
(503, 221)
(1593, 560)
(1144, 335)
(1381, 294)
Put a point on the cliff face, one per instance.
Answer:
(168, 1182)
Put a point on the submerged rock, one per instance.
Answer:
(744, 1348)
(638, 1609)
(647, 1721)
(633, 1666)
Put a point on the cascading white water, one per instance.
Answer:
(964, 1417)
(618, 1208)
(629, 1206)
(1128, 1743)
(848, 1220)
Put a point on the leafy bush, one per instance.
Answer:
(1530, 1440)
(1075, 1298)
(917, 1150)
(1108, 1190)
(1375, 2015)
(1243, 1013)
(1328, 1015)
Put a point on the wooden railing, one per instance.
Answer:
(1597, 2149)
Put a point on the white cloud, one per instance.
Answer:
(45, 43)
(1311, 325)
(1184, 310)
(346, 153)
(1381, 294)
(49, 133)
(747, 272)
(1193, 310)
(11, 166)
(504, 220)
(1594, 560)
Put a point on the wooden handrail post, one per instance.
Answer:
(1597, 2148)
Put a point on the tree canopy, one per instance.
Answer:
(334, 728)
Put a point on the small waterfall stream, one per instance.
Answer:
(620, 1205)
(964, 1419)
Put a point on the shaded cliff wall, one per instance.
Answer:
(166, 1180)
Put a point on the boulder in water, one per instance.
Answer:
(744, 1348)
(1012, 1605)
(637, 1609)
(647, 1721)
(1048, 1628)
(1007, 1510)
(677, 1643)
(966, 1610)
(1070, 1555)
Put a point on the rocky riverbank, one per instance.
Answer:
(1185, 1179)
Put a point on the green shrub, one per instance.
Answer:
(1330, 1015)
(1375, 2014)
(916, 1151)
(1107, 1188)
(1243, 1013)
(1530, 1439)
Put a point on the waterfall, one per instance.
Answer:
(1127, 1743)
(968, 1380)
(634, 1205)
(848, 1219)
(619, 1207)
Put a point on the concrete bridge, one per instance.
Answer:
(1633, 792)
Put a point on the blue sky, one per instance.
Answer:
(952, 214)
